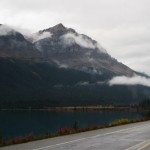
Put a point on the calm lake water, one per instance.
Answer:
(21, 123)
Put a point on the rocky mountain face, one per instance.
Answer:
(66, 48)
(61, 46)
(14, 45)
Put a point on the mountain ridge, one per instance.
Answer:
(62, 46)
(67, 68)
(78, 51)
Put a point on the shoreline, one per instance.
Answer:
(77, 108)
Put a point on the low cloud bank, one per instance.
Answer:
(83, 83)
(40, 36)
(135, 80)
(83, 41)
(60, 65)
(5, 30)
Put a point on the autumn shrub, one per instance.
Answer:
(63, 131)
(2, 142)
(93, 127)
(30, 137)
(119, 121)
(18, 140)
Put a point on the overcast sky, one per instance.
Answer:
(122, 27)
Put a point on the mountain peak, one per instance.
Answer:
(58, 30)
(59, 26)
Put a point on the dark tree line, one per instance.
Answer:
(145, 104)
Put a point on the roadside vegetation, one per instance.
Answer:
(66, 131)
(119, 121)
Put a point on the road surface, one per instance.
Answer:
(126, 137)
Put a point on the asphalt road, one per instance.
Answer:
(127, 137)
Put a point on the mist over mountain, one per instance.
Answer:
(68, 48)
(60, 67)
(61, 46)
(13, 44)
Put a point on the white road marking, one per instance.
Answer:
(140, 146)
(59, 144)
(144, 146)
(41, 148)
(135, 146)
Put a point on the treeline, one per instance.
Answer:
(145, 104)
(25, 84)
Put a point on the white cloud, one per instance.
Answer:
(71, 38)
(82, 40)
(24, 31)
(9, 29)
(83, 83)
(40, 36)
(5, 30)
(60, 65)
(135, 80)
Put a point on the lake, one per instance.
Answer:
(21, 123)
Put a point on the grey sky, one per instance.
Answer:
(120, 26)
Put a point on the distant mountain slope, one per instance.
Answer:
(61, 46)
(14, 45)
(68, 48)
(27, 84)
